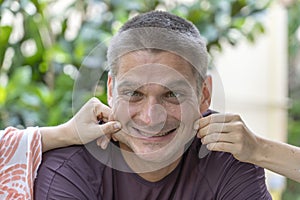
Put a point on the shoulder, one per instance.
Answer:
(229, 178)
(218, 164)
(79, 158)
(63, 167)
(222, 165)
(237, 179)
(54, 159)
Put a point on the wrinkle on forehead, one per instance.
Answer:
(154, 67)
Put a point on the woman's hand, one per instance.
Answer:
(82, 128)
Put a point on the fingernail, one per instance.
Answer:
(117, 125)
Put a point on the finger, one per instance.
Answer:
(216, 118)
(109, 128)
(219, 137)
(114, 138)
(216, 128)
(205, 121)
(100, 110)
(121, 137)
(237, 127)
(96, 131)
(103, 141)
(221, 146)
(100, 140)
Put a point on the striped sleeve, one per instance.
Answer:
(20, 157)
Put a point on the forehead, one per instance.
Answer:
(160, 64)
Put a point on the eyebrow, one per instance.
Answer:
(181, 83)
(131, 84)
(170, 85)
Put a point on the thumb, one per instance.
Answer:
(109, 128)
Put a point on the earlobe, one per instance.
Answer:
(206, 94)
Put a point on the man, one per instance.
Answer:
(157, 89)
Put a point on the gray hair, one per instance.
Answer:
(158, 30)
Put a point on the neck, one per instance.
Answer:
(160, 173)
(148, 170)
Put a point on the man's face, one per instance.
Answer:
(154, 97)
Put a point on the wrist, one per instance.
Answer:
(68, 133)
(260, 152)
(55, 137)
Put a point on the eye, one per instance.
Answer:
(133, 95)
(173, 97)
(173, 94)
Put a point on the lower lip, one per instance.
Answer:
(155, 138)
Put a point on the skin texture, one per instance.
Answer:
(82, 128)
(154, 93)
(228, 132)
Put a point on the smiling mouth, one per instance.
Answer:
(161, 134)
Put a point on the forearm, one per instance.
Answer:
(278, 157)
(55, 137)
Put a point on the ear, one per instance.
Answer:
(206, 94)
(109, 90)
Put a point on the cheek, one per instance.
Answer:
(134, 109)
(190, 112)
(174, 111)
(121, 110)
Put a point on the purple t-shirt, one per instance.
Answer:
(73, 173)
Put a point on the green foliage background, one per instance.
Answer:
(35, 83)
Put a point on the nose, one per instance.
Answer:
(153, 113)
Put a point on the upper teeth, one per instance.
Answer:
(151, 135)
(162, 134)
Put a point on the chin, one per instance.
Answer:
(162, 155)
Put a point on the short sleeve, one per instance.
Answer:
(20, 157)
(64, 174)
(240, 181)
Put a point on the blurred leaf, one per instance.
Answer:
(5, 32)
(238, 22)
(58, 53)
(18, 82)
(21, 77)
(2, 95)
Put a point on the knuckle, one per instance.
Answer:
(239, 126)
(203, 132)
(94, 100)
(236, 117)
(211, 118)
(107, 128)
